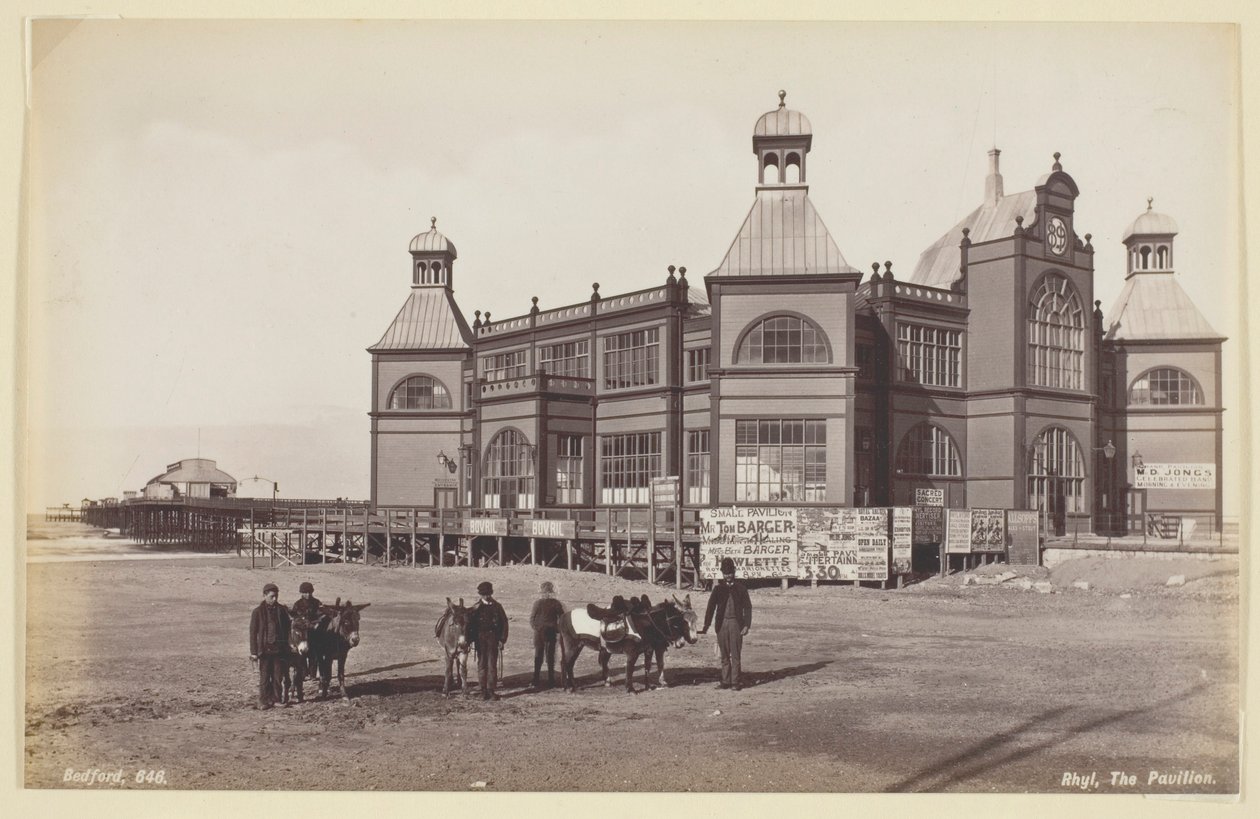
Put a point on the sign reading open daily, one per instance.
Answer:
(1175, 476)
(761, 541)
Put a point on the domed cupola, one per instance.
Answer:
(781, 139)
(1150, 242)
(432, 258)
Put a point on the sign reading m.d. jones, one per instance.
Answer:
(1175, 476)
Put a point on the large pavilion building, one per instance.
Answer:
(787, 376)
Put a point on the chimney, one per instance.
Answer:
(993, 182)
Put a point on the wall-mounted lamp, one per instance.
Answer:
(445, 461)
(1108, 450)
(1137, 459)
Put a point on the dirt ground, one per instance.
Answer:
(944, 686)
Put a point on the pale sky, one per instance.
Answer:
(220, 211)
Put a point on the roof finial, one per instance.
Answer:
(782, 97)
(1056, 166)
(432, 223)
(1150, 202)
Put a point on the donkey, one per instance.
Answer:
(332, 638)
(299, 656)
(451, 632)
(655, 626)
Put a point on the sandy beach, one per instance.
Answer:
(942, 686)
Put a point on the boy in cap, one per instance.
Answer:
(269, 646)
(488, 633)
(730, 603)
(307, 607)
(545, 621)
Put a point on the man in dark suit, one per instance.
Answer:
(269, 646)
(733, 610)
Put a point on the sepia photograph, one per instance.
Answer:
(808, 408)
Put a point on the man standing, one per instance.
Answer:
(729, 602)
(545, 621)
(307, 607)
(269, 646)
(488, 633)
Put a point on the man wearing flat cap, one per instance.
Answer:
(269, 646)
(545, 621)
(488, 633)
(733, 610)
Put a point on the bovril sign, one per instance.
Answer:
(1175, 476)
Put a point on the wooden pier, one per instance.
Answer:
(630, 542)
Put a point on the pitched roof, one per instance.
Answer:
(941, 264)
(783, 236)
(194, 470)
(429, 320)
(1153, 307)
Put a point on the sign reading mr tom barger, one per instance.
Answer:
(761, 541)
(1175, 476)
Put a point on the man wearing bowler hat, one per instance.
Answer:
(269, 646)
(729, 602)
(488, 633)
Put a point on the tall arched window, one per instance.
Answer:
(792, 169)
(508, 472)
(1056, 335)
(928, 450)
(783, 340)
(1056, 469)
(770, 169)
(1165, 386)
(419, 392)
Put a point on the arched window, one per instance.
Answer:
(783, 340)
(1145, 254)
(419, 392)
(508, 472)
(1056, 469)
(418, 278)
(1056, 335)
(792, 169)
(1165, 386)
(1161, 257)
(770, 169)
(928, 450)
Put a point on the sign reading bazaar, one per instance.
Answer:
(854, 544)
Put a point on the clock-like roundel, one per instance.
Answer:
(1056, 236)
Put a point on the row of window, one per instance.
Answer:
(1162, 386)
(776, 461)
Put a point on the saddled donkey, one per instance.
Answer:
(332, 638)
(452, 634)
(651, 630)
(299, 656)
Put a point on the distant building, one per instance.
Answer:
(988, 372)
(191, 478)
